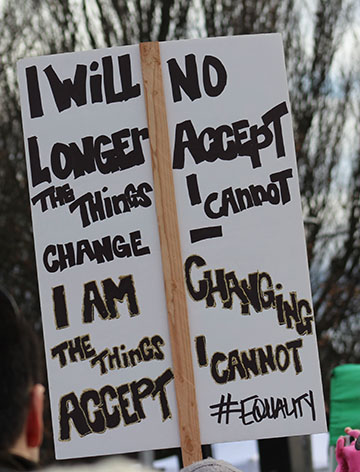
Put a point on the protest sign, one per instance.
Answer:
(243, 247)
(98, 255)
(243, 255)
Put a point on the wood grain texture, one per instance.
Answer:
(171, 253)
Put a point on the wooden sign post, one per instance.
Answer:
(171, 253)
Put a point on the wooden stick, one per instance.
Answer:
(171, 253)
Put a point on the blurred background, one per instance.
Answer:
(321, 42)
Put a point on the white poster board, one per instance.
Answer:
(111, 383)
(249, 300)
(98, 255)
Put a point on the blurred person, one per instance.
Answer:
(121, 464)
(210, 465)
(348, 456)
(21, 391)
